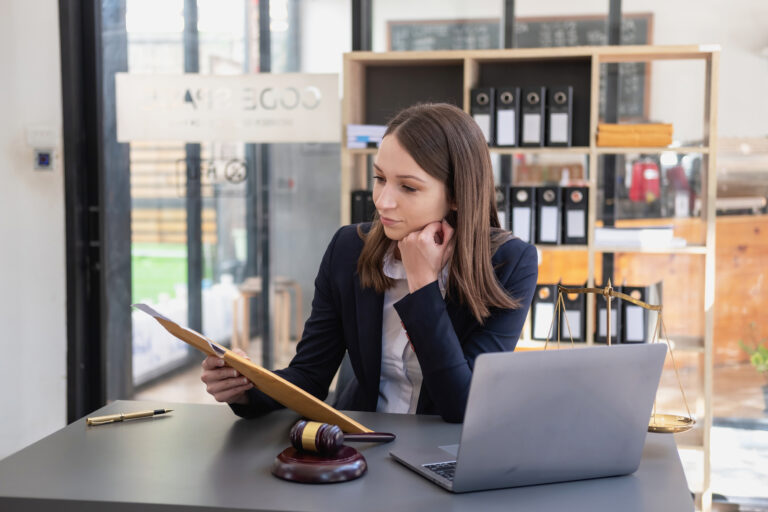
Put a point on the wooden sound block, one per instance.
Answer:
(311, 468)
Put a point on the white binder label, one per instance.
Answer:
(635, 323)
(572, 319)
(505, 128)
(502, 220)
(575, 223)
(558, 128)
(544, 312)
(548, 224)
(531, 128)
(484, 122)
(521, 223)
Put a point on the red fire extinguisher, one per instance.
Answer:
(645, 181)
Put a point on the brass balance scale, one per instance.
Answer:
(662, 423)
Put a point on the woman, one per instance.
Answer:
(417, 294)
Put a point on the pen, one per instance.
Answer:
(100, 420)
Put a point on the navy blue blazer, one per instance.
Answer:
(446, 337)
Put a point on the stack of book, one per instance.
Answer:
(361, 136)
(650, 236)
(634, 135)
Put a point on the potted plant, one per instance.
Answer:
(758, 357)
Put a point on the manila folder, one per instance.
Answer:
(283, 391)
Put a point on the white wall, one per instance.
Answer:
(33, 339)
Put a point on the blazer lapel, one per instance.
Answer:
(369, 317)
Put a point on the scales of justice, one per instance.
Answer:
(662, 423)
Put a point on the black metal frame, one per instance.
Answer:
(258, 190)
(508, 25)
(264, 192)
(86, 366)
(194, 203)
(611, 116)
(112, 41)
(362, 21)
(97, 203)
(509, 41)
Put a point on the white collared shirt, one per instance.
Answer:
(400, 383)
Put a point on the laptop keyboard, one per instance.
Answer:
(444, 469)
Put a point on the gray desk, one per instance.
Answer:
(202, 457)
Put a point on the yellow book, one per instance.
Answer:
(283, 391)
(633, 140)
(644, 128)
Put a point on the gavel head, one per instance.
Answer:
(320, 438)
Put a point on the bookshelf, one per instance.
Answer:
(377, 85)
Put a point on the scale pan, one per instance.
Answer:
(670, 424)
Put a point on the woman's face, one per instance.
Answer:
(406, 196)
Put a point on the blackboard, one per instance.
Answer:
(543, 32)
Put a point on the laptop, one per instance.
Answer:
(548, 416)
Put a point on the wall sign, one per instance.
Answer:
(259, 108)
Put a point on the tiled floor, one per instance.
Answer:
(739, 456)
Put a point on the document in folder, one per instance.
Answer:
(283, 391)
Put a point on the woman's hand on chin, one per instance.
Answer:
(425, 252)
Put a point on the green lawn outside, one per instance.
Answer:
(156, 269)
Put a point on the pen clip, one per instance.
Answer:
(102, 420)
(92, 421)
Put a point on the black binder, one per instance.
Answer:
(575, 202)
(601, 329)
(548, 215)
(361, 211)
(575, 316)
(482, 110)
(543, 311)
(532, 120)
(507, 116)
(559, 115)
(370, 208)
(635, 318)
(502, 205)
(522, 212)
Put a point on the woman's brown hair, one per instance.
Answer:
(447, 143)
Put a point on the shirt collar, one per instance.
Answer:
(394, 269)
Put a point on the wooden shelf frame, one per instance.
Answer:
(470, 64)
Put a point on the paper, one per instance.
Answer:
(282, 390)
(505, 127)
(484, 122)
(543, 314)
(521, 223)
(148, 310)
(633, 319)
(218, 349)
(502, 219)
(575, 220)
(548, 224)
(558, 128)
(531, 128)
(572, 319)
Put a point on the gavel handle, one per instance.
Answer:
(373, 437)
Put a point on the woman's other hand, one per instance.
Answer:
(223, 382)
(425, 252)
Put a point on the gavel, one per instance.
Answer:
(326, 439)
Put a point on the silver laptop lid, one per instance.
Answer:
(557, 415)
